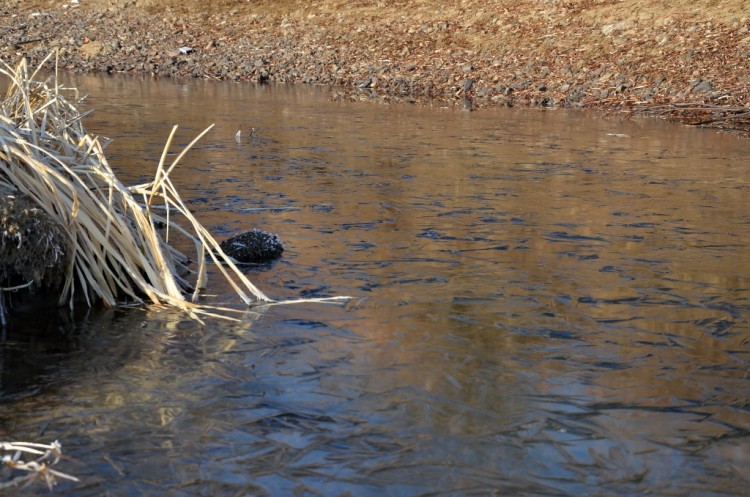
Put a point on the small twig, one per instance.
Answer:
(8, 29)
(31, 40)
(720, 119)
(3, 320)
(49, 455)
(18, 287)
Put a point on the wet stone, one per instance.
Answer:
(253, 246)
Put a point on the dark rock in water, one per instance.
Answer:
(253, 246)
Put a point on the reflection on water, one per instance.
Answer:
(545, 303)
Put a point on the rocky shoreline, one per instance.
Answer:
(595, 54)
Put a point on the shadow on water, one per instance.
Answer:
(545, 303)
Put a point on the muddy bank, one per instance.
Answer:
(472, 54)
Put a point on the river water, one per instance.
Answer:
(544, 303)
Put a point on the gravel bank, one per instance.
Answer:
(608, 54)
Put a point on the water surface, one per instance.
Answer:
(545, 303)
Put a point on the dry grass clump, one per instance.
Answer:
(114, 249)
(44, 456)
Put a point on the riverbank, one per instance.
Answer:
(649, 55)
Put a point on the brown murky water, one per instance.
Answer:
(546, 303)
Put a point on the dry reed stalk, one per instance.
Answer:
(46, 456)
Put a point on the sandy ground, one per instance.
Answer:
(668, 56)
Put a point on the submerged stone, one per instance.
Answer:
(253, 246)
